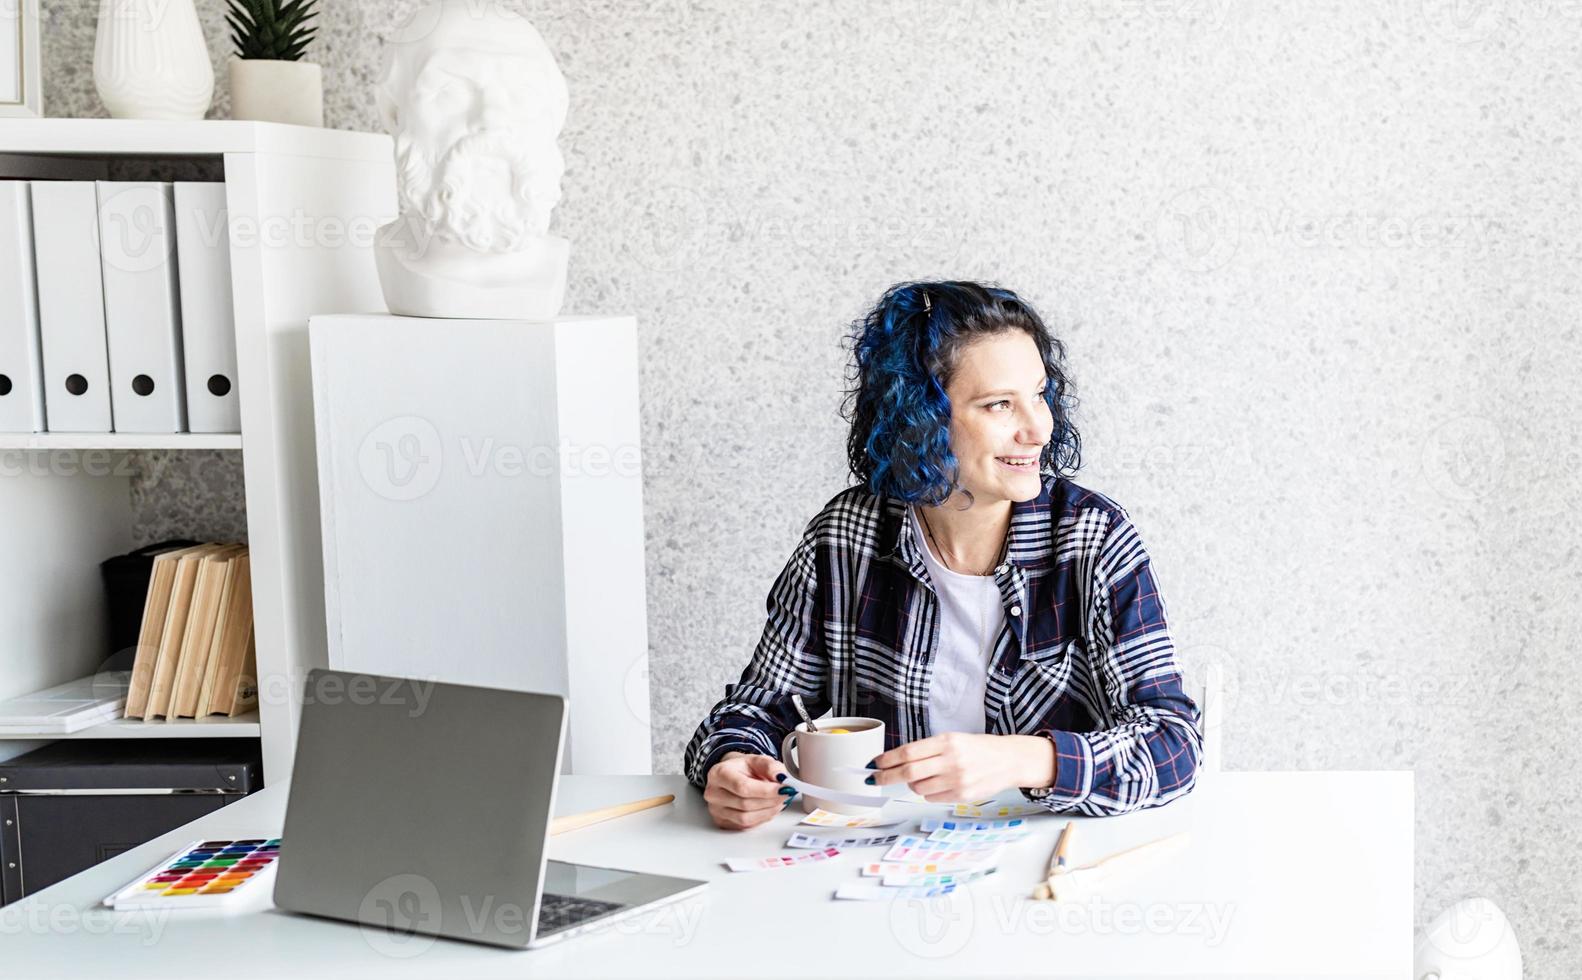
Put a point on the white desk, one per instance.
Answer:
(1288, 874)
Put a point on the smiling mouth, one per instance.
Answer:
(1019, 462)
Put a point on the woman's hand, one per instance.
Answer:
(958, 766)
(743, 792)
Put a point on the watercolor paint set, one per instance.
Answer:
(204, 874)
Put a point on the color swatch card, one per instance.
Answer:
(917, 849)
(204, 874)
(863, 892)
(993, 810)
(785, 861)
(977, 836)
(826, 818)
(932, 824)
(884, 869)
(807, 840)
(926, 880)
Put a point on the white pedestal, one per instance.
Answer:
(481, 489)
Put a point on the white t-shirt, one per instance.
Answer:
(970, 619)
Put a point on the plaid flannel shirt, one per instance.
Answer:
(1084, 658)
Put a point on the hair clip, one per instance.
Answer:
(928, 304)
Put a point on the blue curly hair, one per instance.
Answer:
(903, 354)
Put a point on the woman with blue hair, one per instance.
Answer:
(1003, 622)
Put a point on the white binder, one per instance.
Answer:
(142, 319)
(208, 320)
(21, 365)
(71, 306)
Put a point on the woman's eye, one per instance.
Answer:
(1006, 402)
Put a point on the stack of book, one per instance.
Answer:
(195, 652)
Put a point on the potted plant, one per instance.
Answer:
(269, 82)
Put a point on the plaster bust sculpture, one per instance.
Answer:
(475, 102)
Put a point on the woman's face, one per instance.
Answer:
(999, 421)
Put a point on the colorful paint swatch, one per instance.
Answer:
(977, 836)
(993, 811)
(828, 818)
(783, 861)
(941, 852)
(204, 874)
(929, 880)
(864, 892)
(932, 824)
(883, 869)
(807, 840)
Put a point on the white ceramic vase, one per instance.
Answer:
(277, 91)
(150, 60)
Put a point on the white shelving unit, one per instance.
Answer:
(119, 440)
(303, 203)
(219, 726)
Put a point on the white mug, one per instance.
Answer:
(836, 761)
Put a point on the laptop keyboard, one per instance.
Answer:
(560, 911)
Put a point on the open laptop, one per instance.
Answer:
(425, 807)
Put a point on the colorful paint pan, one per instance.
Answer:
(204, 874)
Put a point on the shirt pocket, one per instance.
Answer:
(1040, 692)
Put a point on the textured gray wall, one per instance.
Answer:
(1317, 267)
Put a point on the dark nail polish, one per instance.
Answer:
(788, 791)
(870, 781)
(872, 764)
(780, 777)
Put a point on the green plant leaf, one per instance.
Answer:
(279, 29)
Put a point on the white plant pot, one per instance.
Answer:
(277, 91)
(150, 60)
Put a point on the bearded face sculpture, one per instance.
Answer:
(475, 102)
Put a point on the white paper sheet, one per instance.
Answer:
(877, 798)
